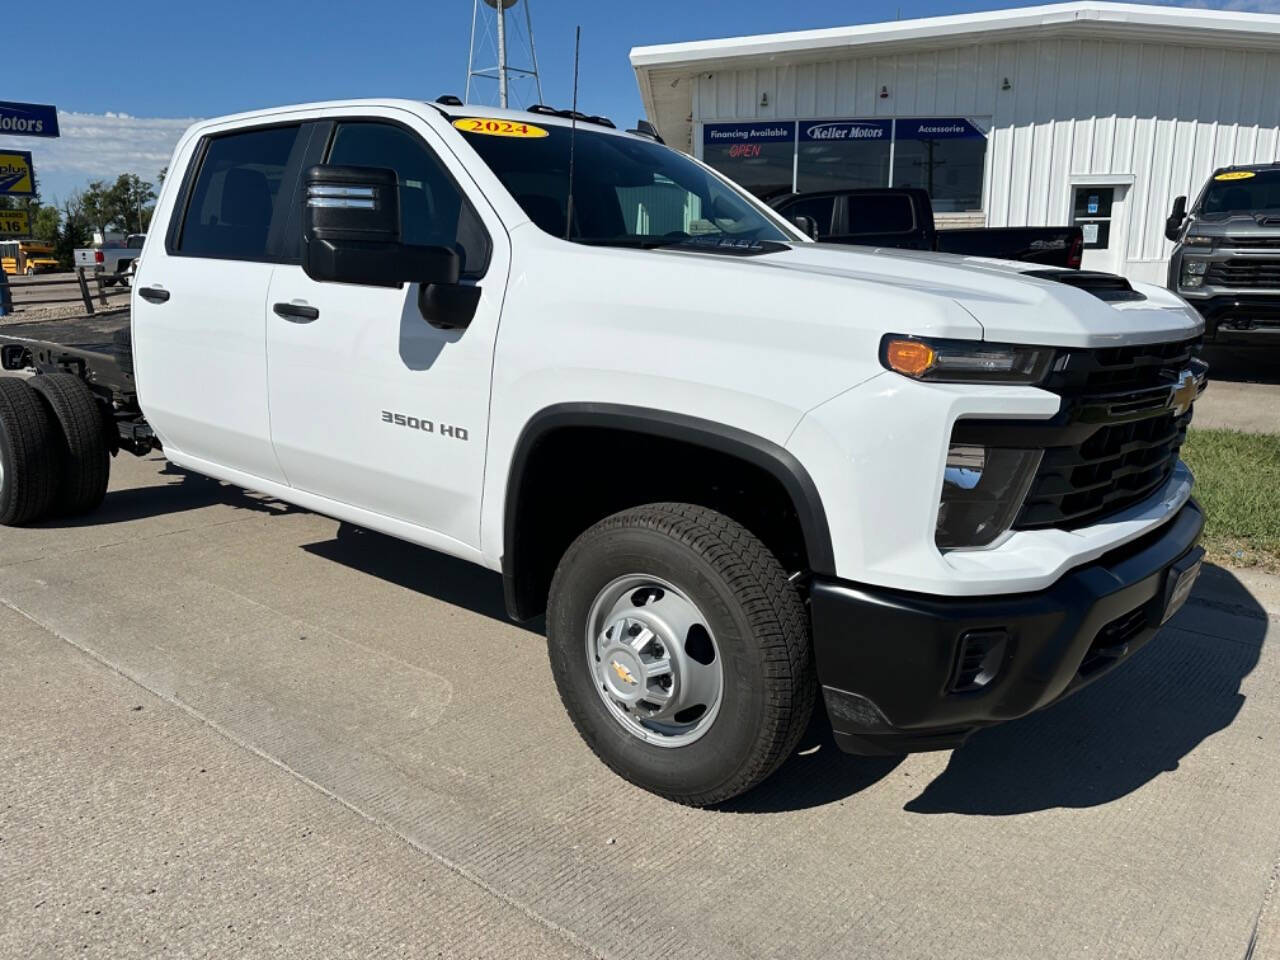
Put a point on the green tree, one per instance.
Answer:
(96, 205)
(76, 229)
(129, 199)
(46, 224)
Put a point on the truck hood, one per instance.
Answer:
(1010, 305)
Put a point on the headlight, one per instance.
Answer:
(982, 490)
(1193, 272)
(1197, 240)
(964, 361)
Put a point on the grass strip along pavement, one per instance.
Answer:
(1238, 483)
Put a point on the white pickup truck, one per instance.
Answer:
(739, 471)
(113, 259)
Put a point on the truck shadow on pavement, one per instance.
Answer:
(424, 571)
(1121, 732)
(187, 491)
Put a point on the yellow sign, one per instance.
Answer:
(1236, 175)
(498, 128)
(14, 223)
(15, 173)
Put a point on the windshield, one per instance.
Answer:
(626, 191)
(1241, 191)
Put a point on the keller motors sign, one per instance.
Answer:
(28, 119)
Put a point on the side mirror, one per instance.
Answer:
(351, 233)
(806, 225)
(1173, 226)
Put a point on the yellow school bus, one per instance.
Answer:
(27, 257)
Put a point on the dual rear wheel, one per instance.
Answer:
(55, 456)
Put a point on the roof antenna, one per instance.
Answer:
(573, 131)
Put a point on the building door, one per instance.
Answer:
(1098, 210)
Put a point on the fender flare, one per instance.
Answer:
(773, 458)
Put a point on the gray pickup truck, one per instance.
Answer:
(1227, 260)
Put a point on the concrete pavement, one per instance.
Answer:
(371, 695)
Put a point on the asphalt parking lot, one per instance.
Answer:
(232, 726)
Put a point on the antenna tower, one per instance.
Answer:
(504, 39)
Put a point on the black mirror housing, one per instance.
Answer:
(806, 225)
(1173, 226)
(351, 232)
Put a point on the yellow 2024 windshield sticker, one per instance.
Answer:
(499, 128)
(1236, 175)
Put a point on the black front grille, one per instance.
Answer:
(1117, 439)
(1244, 273)
(1120, 464)
(1272, 243)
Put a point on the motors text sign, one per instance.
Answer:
(28, 119)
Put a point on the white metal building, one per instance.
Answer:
(1088, 112)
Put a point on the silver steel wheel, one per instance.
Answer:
(655, 660)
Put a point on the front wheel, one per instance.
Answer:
(681, 651)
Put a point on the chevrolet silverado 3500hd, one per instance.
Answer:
(738, 470)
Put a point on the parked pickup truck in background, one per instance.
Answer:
(1227, 259)
(738, 471)
(112, 259)
(903, 217)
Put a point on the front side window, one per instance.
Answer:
(237, 195)
(945, 157)
(626, 191)
(820, 209)
(433, 211)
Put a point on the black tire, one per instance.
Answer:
(123, 337)
(82, 437)
(29, 462)
(760, 626)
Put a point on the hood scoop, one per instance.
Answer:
(1104, 286)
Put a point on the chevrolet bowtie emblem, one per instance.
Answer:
(1183, 393)
(623, 673)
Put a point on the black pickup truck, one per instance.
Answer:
(903, 217)
(1226, 262)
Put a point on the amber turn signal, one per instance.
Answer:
(911, 358)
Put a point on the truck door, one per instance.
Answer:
(372, 406)
(199, 313)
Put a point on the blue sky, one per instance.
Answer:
(125, 95)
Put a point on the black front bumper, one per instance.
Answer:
(903, 672)
(1239, 317)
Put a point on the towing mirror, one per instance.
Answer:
(1173, 226)
(806, 225)
(351, 233)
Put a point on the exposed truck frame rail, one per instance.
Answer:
(105, 368)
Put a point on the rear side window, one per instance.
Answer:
(872, 213)
(238, 195)
(433, 211)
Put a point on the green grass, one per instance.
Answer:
(1238, 483)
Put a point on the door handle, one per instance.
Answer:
(296, 312)
(154, 294)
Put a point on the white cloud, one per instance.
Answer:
(102, 146)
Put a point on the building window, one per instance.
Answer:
(843, 154)
(945, 157)
(758, 156)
